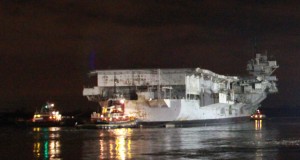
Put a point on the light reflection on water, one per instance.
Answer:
(258, 139)
(254, 140)
(258, 124)
(119, 148)
(47, 142)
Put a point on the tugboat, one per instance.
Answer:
(47, 116)
(257, 115)
(111, 116)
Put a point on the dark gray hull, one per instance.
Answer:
(193, 123)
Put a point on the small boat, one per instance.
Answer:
(112, 116)
(47, 116)
(257, 115)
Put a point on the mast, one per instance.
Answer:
(115, 82)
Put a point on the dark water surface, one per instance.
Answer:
(267, 139)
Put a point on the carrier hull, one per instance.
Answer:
(192, 123)
(182, 112)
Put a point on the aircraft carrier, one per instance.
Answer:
(182, 97)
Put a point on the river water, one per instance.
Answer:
(267, 139)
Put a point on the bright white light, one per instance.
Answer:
(122, 101)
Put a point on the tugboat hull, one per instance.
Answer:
(130, 124)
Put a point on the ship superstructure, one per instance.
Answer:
(184, 96)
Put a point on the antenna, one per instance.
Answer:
(115, 83)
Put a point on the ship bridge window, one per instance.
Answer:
(113, 103)
(110, 103)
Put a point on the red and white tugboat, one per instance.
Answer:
(112, 116)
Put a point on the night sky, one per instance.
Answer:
(45, 46)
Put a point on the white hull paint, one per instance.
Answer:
(166, 110)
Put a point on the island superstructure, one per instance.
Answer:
(182, 97)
